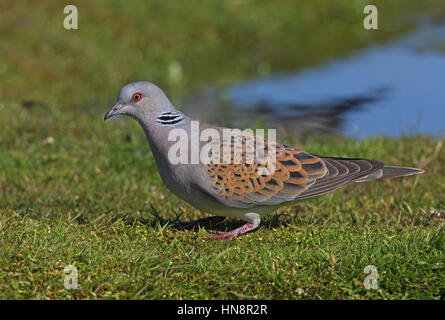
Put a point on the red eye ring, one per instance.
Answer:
(136, 97)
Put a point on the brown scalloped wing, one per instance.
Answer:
(341, 172)
(244, 184)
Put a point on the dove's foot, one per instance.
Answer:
(221, 235)
(206, 220)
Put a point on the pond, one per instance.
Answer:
(393, 89)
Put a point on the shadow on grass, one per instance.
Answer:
(219, 223)
(209, 223)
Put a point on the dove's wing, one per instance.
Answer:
(341, 172)
(246, 184)
(294, 175)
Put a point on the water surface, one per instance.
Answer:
(392, 89)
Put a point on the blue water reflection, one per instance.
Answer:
(392, 89)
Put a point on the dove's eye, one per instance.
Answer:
(136, 97)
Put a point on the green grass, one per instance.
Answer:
(75, 190)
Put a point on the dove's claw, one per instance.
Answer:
(216, 232)
(220, 235)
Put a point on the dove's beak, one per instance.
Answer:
(115, 110)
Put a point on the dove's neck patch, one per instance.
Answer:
(169, 118)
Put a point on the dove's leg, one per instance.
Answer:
(230, 235)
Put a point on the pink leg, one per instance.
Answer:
(234, 233)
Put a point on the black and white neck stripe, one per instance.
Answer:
(169, 118)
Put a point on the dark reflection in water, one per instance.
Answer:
(392, 89)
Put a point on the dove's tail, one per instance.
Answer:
(390, 172)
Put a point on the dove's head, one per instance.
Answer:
(140, 100)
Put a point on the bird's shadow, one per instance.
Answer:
(209, 223)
